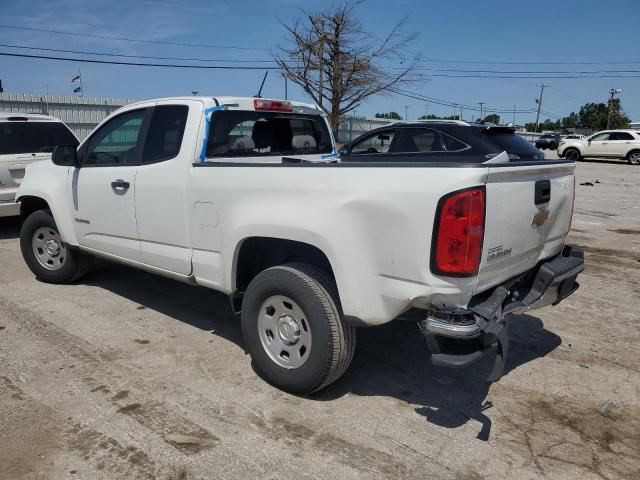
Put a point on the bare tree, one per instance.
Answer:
(339, 65)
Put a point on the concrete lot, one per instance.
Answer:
(127, 375)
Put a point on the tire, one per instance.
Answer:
(572, 154)
(633, 157)
(329, 343)
(48, 257)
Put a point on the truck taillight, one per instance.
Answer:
(458, 233)
(272, 105)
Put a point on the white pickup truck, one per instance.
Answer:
(248, 197)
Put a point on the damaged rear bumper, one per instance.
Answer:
(458, 338)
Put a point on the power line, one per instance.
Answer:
(446, 103)
(138, 64)
(482, 62)
(108, 37)
(518, 72)
(105, 54)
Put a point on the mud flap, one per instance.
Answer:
(502, 336)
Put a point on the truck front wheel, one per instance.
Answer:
(293, 328)
(46, 255)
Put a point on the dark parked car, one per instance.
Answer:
(548, 140)
(439, 141)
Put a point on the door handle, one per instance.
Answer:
(120, 185)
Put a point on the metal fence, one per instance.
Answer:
(81, 114)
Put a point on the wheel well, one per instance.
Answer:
(632, 151)
(259, 253)
(30, 204)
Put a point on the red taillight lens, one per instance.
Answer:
(272, 105)
(458, 233)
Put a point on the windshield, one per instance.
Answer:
(247, 133)
(33, 137)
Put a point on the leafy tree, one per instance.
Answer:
(338, 64)
(390, 115)
(436, 117)
(493, 118)
(594, 115)
(571, 121)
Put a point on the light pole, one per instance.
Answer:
(406, 112)
(612, 92)
(481, 105)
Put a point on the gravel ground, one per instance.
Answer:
(128, 375)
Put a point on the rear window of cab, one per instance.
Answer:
(33, 137)
(249, 133)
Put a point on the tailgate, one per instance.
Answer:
(528, 216)
(12, 170)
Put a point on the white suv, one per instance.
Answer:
(25, 138)
(606, 144)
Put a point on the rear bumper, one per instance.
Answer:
(9, 209)
(460, 338)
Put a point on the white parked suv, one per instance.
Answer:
(25, 138)
(248, 197)
(606, 144)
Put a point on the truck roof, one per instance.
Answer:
(18, 116)
(243, 103)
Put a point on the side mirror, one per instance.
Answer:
(65, 155)
(344, 151)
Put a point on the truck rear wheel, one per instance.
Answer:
(46, 255)
(293, 328)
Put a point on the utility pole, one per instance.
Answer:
(461, 114)
(321, 62)
(406, 112)
(539, 101)
(612, 92)
(286, 93)
(514, 115)
(426, 110)
(481, 105)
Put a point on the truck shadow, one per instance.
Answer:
(391, 360)
(9, 228)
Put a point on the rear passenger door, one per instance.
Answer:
(620, 143)
(161, 186)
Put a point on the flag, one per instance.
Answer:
(77, 90)
(76, 78)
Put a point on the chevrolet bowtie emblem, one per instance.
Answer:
(540, 217)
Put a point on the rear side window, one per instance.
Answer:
(419, 140)
(247, 133)
(166, 130)
(510, 142)
(33, 137)
(620, 136)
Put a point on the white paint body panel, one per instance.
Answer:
(374, 224)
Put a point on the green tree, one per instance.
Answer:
(389, 116)
(493, 118)
(436, 117)
(594, 115)
(571, 121)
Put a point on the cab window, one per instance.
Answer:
(376, 143)
(116, 143)
(166, 130)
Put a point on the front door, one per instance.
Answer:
(598, 145)
(103, 188)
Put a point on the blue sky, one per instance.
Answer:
(450, 33)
